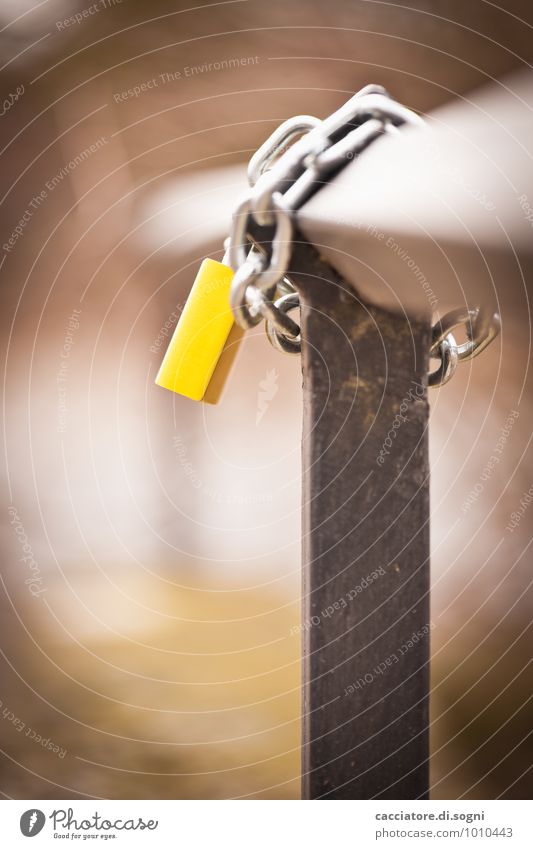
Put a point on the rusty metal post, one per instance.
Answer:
(365, 612)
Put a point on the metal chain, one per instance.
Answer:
(282, 178)
(481, 327)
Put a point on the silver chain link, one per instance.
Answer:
(480, 326)
(288, 168)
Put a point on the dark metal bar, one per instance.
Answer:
(365, 543)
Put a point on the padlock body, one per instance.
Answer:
(201, 333)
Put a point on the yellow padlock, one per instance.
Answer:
(206, 339)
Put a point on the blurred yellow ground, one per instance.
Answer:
(199, 701)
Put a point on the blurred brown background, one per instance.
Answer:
(150, 645)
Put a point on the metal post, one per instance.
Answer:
(365, 611)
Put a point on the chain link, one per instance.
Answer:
(288, 342)
(480, 327)
(288, 168)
